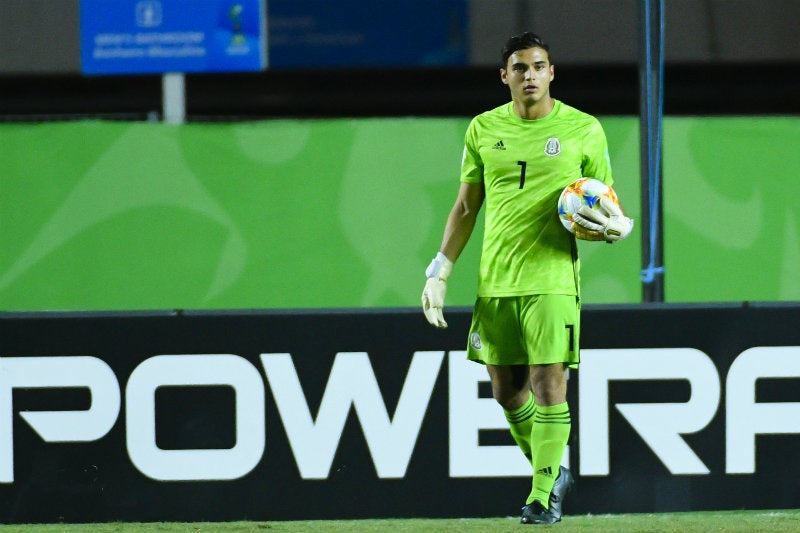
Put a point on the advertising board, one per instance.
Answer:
(256, 415)
(162, 36)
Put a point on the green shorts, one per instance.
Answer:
(526, 330)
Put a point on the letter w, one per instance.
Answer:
(352, 382)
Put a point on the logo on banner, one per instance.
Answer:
(392, 437)
(160, 36)
(149, 14)
(238, 44)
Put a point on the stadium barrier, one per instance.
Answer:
(320, 414)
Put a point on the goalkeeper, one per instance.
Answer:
(525, 326)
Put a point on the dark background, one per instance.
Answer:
(728, 57)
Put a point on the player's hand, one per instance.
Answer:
(433, 301)
(436, 289)
(608, 221)
(586, 234)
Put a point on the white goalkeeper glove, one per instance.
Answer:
(607, 223)
(435, 289)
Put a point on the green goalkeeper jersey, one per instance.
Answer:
(524, 165)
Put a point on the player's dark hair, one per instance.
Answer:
(522, 42)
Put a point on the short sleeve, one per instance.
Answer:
(471, 162)
(596, 160)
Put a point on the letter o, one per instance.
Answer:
(198, 370)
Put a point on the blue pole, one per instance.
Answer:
(651, 112)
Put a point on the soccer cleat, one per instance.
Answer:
(561, 487)
(535, 513)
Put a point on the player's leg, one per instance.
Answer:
(550, 428)
(511, 389)
(495, 340)
(551, 325)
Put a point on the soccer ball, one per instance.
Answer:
(583, 191)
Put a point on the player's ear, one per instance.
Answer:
(504, 76)
(552, 72)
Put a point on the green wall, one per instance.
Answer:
(727, 238)
(347, 213)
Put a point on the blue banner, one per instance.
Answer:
(357, 33)
(158, 36)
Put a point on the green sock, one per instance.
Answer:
(551, 426)
(520, 422)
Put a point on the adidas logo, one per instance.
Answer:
(499, 146)
(547, 471)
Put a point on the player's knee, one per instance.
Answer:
(549, 384)
(547, 397)
(510, 398)
(550, 391)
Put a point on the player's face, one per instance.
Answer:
(528, 74)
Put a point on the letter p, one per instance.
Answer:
(56, 426)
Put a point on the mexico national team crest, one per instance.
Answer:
(475, 340)
(553, 146)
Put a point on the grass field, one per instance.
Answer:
(787, 521)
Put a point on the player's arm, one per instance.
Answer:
(461, 220)
(457, 231)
